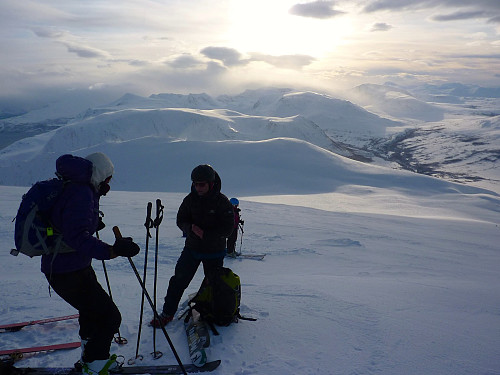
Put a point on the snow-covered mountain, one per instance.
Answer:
(455, 140)
(396, 102)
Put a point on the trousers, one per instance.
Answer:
(99, 317)
(231, 241)
(185, 269)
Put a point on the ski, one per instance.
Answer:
(247, 256)
(18, 352)
(14, 327)
(129, 370)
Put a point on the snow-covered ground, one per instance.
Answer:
(368, 270)
(395, 277)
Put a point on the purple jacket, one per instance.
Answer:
(76, 215)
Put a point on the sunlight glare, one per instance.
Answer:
(266, 27)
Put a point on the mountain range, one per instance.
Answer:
(382, 125)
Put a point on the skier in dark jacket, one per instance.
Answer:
(206, 216)
(76, 216)
(231, 240)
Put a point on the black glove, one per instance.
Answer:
(100, 225)
(125, 247)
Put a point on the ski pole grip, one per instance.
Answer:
(117, 232)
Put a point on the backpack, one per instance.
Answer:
(33, 234)
(218, 300)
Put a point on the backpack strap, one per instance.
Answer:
(239, 316)
(212, 328)
(189, 314)
(245, 318)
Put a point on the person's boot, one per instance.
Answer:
(162, 322)
(100, 366)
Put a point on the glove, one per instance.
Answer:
(125, 247)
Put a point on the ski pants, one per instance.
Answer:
(231, 241)
(185, 269)
(99, 317)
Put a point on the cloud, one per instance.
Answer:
(316, 9)
(493, 56)
(460, 15)
(45, 32)
(462, 9)
(381, 26)
(85, 51)
(228, 56)
(295, 62)
(138, 63)
(489, 6)
(185, 61)
(73, 47)
(381, 5)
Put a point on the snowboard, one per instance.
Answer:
(197, 336)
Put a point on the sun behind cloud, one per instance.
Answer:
(270, 27)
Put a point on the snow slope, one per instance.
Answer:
(395, 102)
(368, 270)
(364, 280)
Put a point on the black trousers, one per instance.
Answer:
(185, 269)
(99, 317)
(231, 241)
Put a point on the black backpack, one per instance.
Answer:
(33, 234)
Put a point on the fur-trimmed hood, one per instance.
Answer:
(102, 168)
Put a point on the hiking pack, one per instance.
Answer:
(218, 299)
(33, 234)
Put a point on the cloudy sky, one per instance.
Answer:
(223, 46)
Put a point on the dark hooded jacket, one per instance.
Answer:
(76, 215)
(214, 214)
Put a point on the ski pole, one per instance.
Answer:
(119, 339)
(117, 233)
(159, 217)
(148, 224)
(240, 226)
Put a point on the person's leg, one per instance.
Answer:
(99, 317)
(211, 265)
(185, 269)
(231, 241)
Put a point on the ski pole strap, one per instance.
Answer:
(149, 222)
(159, 214)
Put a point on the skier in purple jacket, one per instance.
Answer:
(76, 216)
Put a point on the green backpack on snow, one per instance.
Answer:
(218, 300)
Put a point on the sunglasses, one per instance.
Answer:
(200, 184)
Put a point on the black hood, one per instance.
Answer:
(214, 190)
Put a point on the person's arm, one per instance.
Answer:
(79, 221)
(184, 217)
